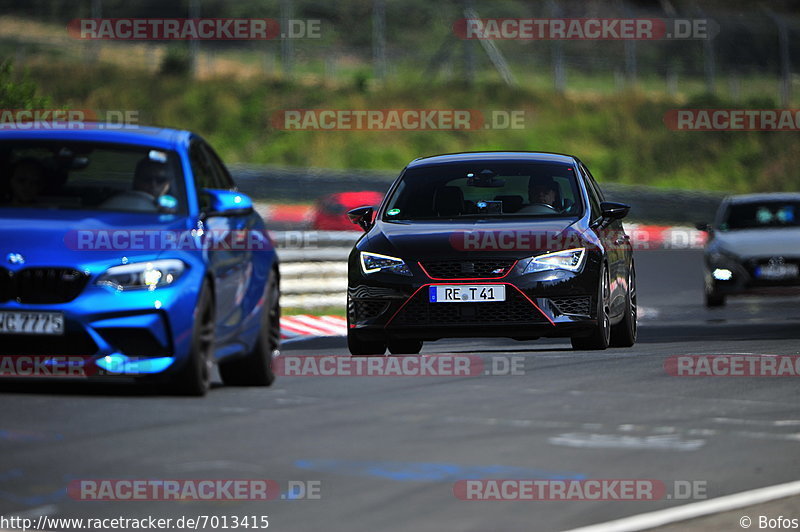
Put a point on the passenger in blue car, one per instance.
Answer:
(27, 181)
(150, 182)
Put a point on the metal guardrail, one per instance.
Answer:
(314, 267)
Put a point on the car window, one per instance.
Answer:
(761, 214)
(594, 193)
(201, 168)
(498, 189)
(221, 178)
(90, 176)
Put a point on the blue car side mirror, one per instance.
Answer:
(226, 203)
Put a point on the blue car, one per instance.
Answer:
(127, 251)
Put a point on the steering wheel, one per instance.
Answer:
(546, 205)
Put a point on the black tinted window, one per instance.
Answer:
(486, 189)
(90, 176)
(762, 214)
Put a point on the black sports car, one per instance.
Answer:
(492, 244)
(753, 247)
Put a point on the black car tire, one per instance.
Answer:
(405, 347)
(359, 347)
(255, 369)
(624, 333)
(714, 300)
(600, 337)
(194, 378)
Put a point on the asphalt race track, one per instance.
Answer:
(388, 450)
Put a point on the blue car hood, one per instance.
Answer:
(49, 237)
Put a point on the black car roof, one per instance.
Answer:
(495, 156)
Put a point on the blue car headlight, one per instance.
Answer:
(143, 275)
(375, 262)
(568, 259)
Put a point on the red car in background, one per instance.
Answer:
(330, 212)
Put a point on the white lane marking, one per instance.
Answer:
(494, 421)
(757, 422)
(647, 313)
(221, 465)
(613, 441)
(696, 509)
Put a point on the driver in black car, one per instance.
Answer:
(544, 196)
(543, 190)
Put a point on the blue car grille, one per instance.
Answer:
(41, 285)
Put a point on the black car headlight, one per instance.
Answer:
(375, 262)
(569, 259)
(143, 275)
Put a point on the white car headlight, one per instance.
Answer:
(143, 275)
(375, 262)
(569, 259)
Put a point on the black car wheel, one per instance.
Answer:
(194, 378)
(600, 337)
(714, 300)
(405, 347)
(624, 333)
(255, 369)
(359, 346)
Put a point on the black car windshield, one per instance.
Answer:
(486, 189)
(762, 214)
(90, 176)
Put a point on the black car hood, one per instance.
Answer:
(747, 243)
(478, 238)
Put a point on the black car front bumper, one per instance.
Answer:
(553, 303)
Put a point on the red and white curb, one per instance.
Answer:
(305, 325)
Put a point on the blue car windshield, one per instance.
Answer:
(90, 176)
(490, 189)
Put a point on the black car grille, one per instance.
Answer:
(74, 342)
(42, 285)
(514, 310)
(366, 309)
(134, 342)
(465, 269)
(576, 305)
(5, 284)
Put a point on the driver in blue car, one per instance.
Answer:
(151, 181)
(27, 181)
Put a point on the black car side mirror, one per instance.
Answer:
(614, 211)
(362, 216)
(703, 226)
